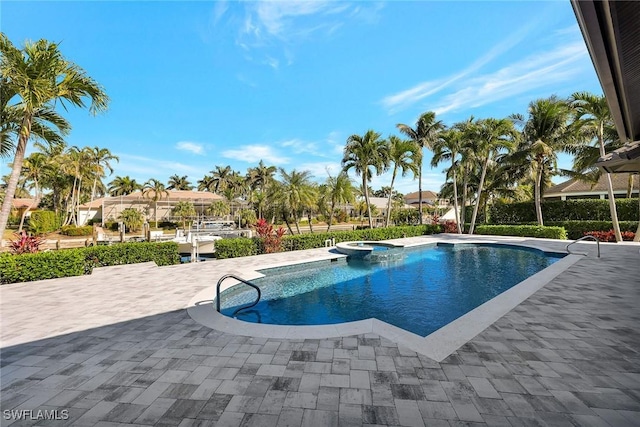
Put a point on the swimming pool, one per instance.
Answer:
(420, 291)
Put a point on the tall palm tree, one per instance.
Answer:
(592, 117)
(545, 133)
(156, 191)
(338, 190)
(123, 185)
(447, 148)
(492, 135)
(405, 155)
(99, 159)
(206, 183)
(221, 176)
(38, 78)
(32, 171)
(299, 193)
(179, 183)
(425, 134)
(364, 153)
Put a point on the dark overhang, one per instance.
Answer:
(611, 31)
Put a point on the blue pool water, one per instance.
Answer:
(420, 289)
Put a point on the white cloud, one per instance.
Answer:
(255, 153)
(193, 147)
(408, 97)
(328, 148)
(536, 71)
(320, 170)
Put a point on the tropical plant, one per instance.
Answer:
(156, 191)
(425, 134)
(592, 118)
(298, 193)
(220, 178)
(25, 243)
(131, 218)
(183, 210)
(491, 135)
(338, 190)
(447, 148)
(99, 162)
(123, 185)
(38, 77)
(32, 171)
(271, 239)
(545, 133)
(179, 183)
(364, 153)
(405, 155)
(218, 208)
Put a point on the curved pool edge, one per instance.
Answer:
(437, 346)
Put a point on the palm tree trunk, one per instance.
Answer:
(612, 200)
(463, 212)
(331, 216)
(155, 214)
(18, 160)
(630, 186)
(477, 204)
(93, 193)
(455, 195)
(420, 192)
(537, 195)
(297, 222)
(76, 209)
(366, 198)
(393, 178)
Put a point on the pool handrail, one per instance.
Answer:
(584, 238)
(246, 282)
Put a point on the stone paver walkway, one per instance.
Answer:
(118, 348)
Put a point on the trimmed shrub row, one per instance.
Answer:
(523, 231)
(577, 229)
(72, 230)
(76, 262)
(562, 210)
(231, 248)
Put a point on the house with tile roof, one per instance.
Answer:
(575, 189)
(109, 208)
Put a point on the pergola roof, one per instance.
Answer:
(612, 35)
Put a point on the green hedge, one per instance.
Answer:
(231, 248)
(523, 231)
(75, 262)
(563, 210)
(72, 230)
(43, 265)
(576, 229)
(42, 222)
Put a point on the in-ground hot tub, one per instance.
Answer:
(361, 249)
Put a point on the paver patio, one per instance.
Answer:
(119, 348)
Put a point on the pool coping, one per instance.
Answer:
(438, 345)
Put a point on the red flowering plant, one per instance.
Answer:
(25, 244)
(450, 226)
(271, 239)
(610, 235)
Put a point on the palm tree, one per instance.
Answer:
(425, 134)
(179, 183)
(338, 190)
(544, 134)
(492, 135)
(259, 178)
(592, 117)
(298, 193)
(39, 78)
(221, 176)
(123, 185)
(32, 170)
(447, 148)
(405, 155)
(154, 190)
(363, 153)
(206, 183)
(99, 159)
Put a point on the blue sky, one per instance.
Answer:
(199, 84)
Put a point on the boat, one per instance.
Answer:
(195, 244)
